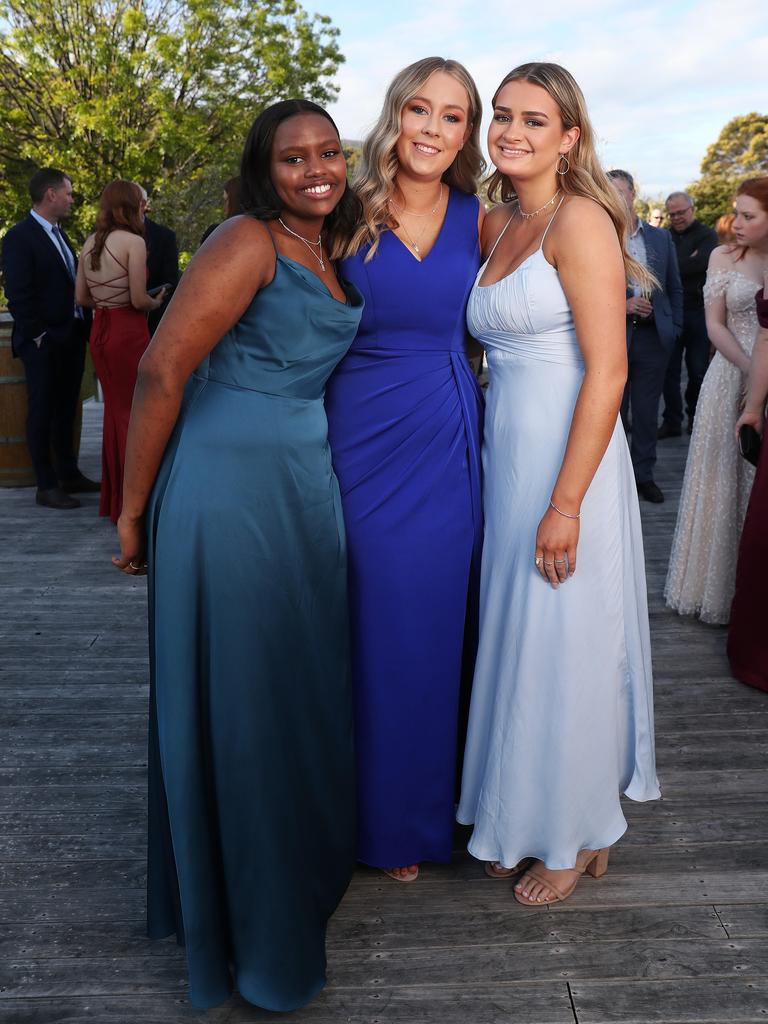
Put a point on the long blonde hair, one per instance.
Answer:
(585, 175)
(375, 180)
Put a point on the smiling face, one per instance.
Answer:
(526, 136)
(307, 166)
(434, 126)
(750, 225)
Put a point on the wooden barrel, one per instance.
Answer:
(15, 464)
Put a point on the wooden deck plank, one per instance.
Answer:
(675, 933)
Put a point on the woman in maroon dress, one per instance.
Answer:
(112, 277)
(748, 635)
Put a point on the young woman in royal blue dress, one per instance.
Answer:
(251, 772)
(404, 414)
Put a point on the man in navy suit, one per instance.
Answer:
(49, 336)
(653, 325)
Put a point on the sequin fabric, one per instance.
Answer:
(717, 483)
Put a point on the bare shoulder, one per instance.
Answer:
(582, 230)
(579, 213)
(128, 240)
(240, 253)
(724, 257)
(494, 223)
(240, 238)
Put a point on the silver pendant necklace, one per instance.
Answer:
(307, 242)
(541, 209)
(411, 242)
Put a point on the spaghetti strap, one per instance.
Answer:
(501, 235)
(117, 261)
(546, 229)
(272, 240)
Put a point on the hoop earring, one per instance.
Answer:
(567, 165)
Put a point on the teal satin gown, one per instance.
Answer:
(251, 772)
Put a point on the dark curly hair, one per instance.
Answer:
(258, 195)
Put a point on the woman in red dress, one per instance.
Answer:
(112, 277)
(748, 636)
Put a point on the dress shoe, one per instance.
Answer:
(80, 485)
(649, 491)
(54, 497)
(667, 430)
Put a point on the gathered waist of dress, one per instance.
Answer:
(536, 347)
(392, 351)
(258, 392)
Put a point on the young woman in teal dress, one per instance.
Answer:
(230, 498)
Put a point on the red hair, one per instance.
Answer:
(755, 188)
(119, 210)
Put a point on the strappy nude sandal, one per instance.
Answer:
(410, 877)
(495, 869)
(597, 865)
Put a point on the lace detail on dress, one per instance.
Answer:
(718, 481)
(716, 284)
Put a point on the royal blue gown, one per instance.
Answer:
(405, 419)
(251, 769)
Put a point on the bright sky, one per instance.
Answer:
(661, 78)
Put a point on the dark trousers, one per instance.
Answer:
(648, 359)
(695, 343)
(54, 371)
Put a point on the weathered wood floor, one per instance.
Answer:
(676, 932)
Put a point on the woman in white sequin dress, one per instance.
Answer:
(718, 481)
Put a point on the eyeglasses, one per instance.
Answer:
(679, 213)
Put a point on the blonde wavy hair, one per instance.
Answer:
(585, 175)
(375, 179)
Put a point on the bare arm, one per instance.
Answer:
(591, 269)
(137, 276)
(716, 313)
(216, 289)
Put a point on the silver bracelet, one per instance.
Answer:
(566, 514)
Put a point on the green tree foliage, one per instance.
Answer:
(740, 152)
(158, 91)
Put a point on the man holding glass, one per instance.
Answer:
(653, 323)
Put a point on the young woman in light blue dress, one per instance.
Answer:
(561, 721)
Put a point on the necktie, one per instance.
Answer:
(68, 258)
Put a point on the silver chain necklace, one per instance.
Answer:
(307, 242)
(541, 209)
(411, 241)
(404, 209)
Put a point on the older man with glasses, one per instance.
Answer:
(694, 243)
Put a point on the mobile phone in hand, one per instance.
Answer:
(152, 292)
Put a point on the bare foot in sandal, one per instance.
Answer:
(540, 884)
(405, 874)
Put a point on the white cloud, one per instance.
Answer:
(661, 80)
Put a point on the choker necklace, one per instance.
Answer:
(541, 209)
(410, 213)
(307, 242)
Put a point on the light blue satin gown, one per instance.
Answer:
(561, 719)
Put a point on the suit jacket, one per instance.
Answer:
(41, 294)
(162, 262)
(667, 301)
